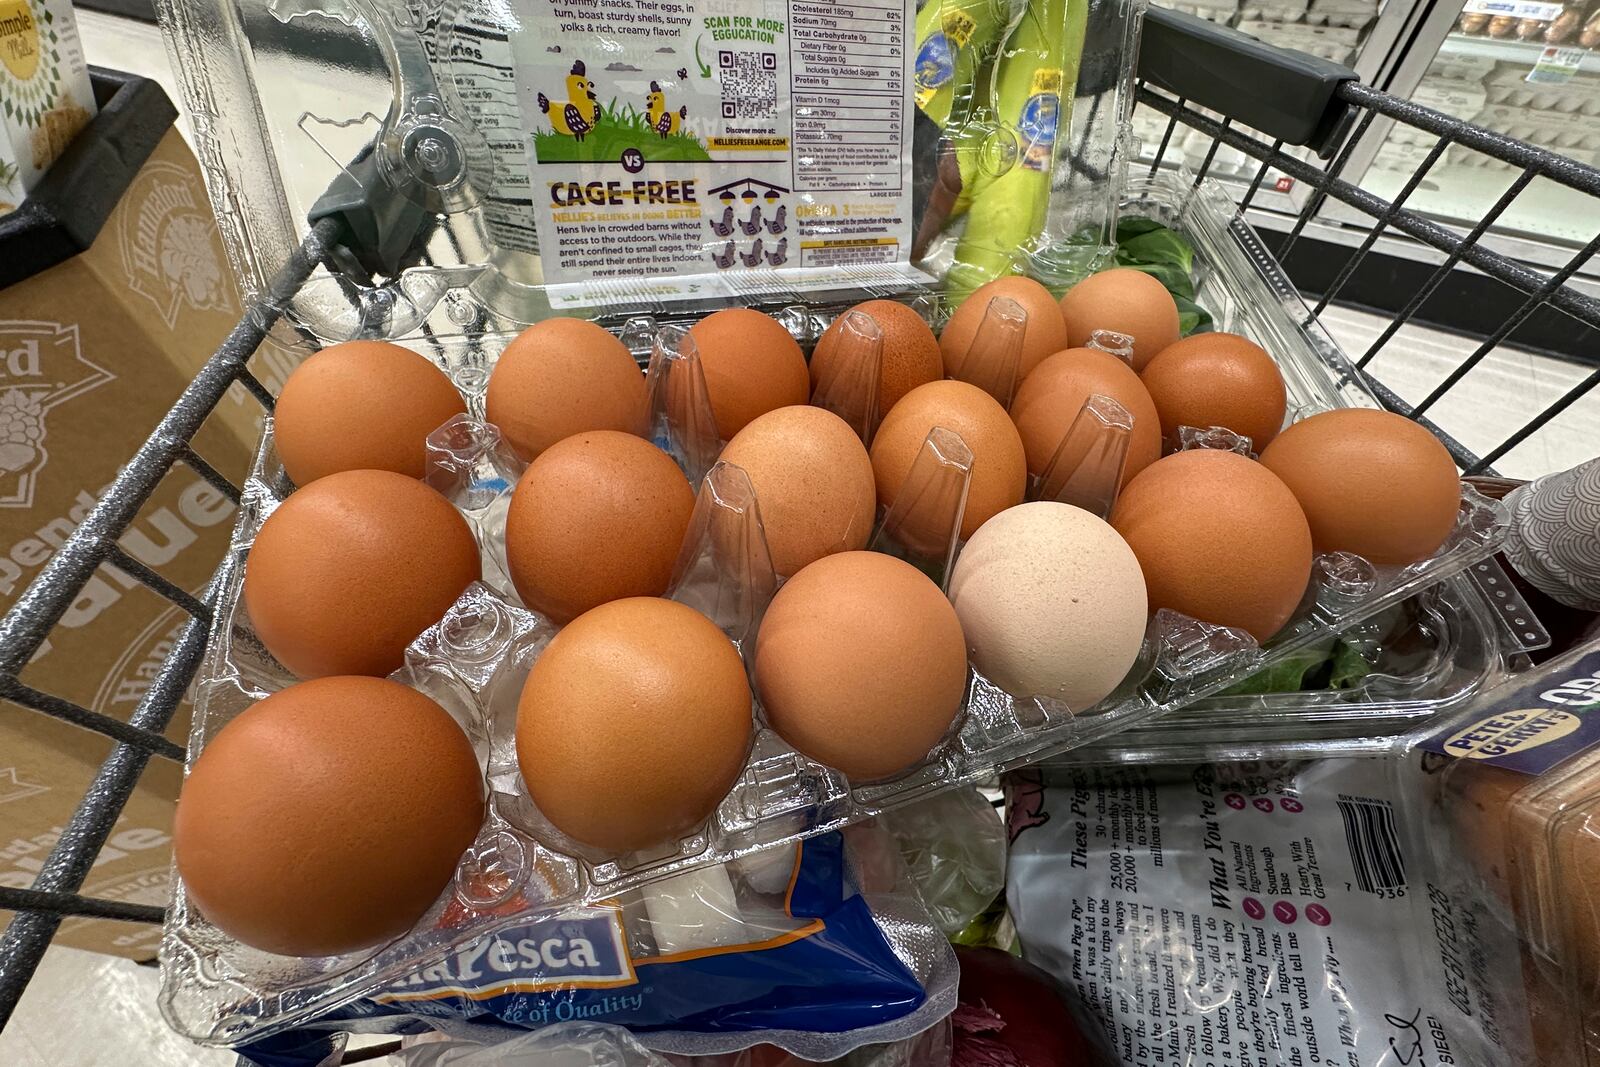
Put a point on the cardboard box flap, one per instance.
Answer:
(63, 214)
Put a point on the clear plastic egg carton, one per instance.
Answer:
(1273, 10)
(475, 659)
(1239, 282)
(1425, 658)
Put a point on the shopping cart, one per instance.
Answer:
(1293, 114)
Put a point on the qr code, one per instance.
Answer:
(749, 84)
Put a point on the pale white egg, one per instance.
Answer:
(1052, 603)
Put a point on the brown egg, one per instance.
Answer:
(910, 351)
(1050, 398)
(813, 482)
(752, 366)
(350, 569)
(1126, 301)
(634, 724)
(560, 377)
(1370, 482)
(861, 664)
(1217, 379)
(599, 516)
(1046, 333)
(999, 466)
(328, 817)
(361, 405)
(1219, 538)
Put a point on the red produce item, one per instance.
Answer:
(1012, 1014)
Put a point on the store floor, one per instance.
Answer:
(1494, 400)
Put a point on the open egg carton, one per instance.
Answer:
(474, 660)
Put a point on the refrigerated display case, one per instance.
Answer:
(1524, 67)
(1363, 35)
(1530, 70)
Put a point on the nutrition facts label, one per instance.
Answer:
(482, 72)
(849, 94)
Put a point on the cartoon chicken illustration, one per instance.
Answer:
(664, 122)
(723, 227)
(579, 114)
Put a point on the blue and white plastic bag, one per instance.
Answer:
(818, 949)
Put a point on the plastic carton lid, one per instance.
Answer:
(62, 215)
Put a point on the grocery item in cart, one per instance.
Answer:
(114, 290)
(561, 377)
(596, 518)
(366, 789)
(547, 162)
(1199, 912)
(1517, 791)
(581, 1044)
(352, 568)
(633, 724)
(910, 354)
(1124, 301)
(1052, 603)
(44, 81)
(818, 950)
(1217, 379)
(1554, 539)
(1043, 334)
(1370, 482)
(861, 664)
(814, 479)
(1182, 516)
(1054, 394)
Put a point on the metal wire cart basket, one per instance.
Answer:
(1289, 114)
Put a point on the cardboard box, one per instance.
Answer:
(93, 351)
(45, 95)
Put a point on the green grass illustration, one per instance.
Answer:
(618, 131)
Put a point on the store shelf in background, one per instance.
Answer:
(1509, 50)
(1458, 192)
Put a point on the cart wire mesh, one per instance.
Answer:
(1536, 289)
(55, 893)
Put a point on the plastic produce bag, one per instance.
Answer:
(600, 1045)
(954, 846)
(567, 1045)
(817, 949)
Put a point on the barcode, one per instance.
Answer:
(749, 84)
(1380, 866)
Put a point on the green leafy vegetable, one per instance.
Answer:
(1332, 665)
(1145, 244)
(1348, 667)
(992, 929)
